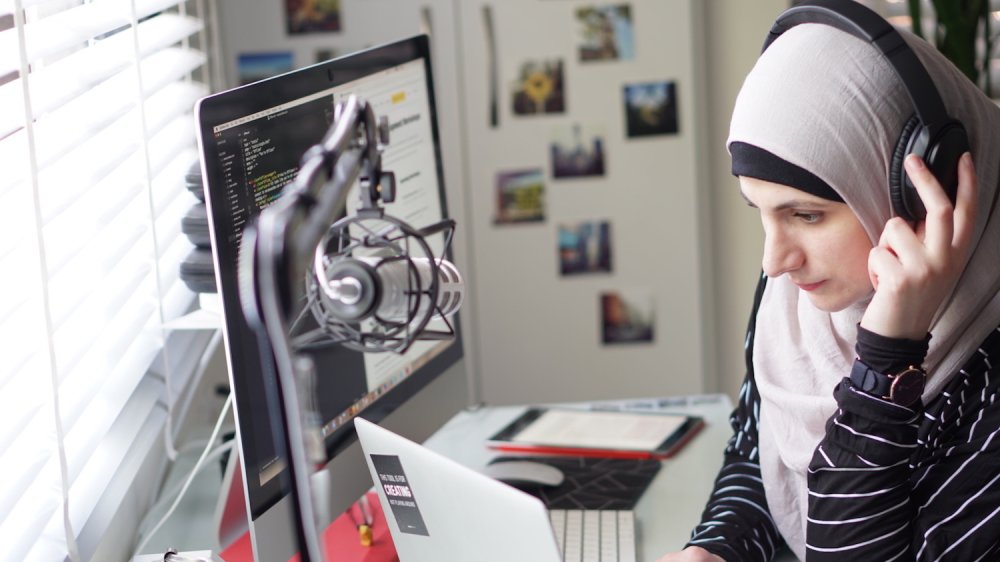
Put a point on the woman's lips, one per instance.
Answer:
(810, 286)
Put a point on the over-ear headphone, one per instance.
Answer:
(930, 133)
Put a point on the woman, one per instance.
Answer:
(817, 463)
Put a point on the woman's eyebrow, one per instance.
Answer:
(791, 203)
(801, 204)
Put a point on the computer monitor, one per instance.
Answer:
(252, 139)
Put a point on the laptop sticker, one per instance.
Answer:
(400, 495)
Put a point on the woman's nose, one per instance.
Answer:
(781, 253)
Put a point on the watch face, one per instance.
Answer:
(907, 387)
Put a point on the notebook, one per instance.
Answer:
(439, 510)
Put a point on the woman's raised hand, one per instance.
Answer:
(914, 270)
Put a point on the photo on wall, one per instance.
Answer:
(312, 16)
(520, 196)
(650, 109)
(606, 33)
(585, 247)
(577, 151)
(252, 67)
(539, 88)
(627, 316)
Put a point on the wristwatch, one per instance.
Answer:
(903, 388)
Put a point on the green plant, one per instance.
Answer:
(960, 23)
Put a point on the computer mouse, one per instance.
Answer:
(525, 473)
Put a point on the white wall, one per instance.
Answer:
(736, 31)
(539, 330)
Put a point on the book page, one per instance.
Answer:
(600, 430)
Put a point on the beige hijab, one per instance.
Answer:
(828, 102)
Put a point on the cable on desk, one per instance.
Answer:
(170, 494)
(190, 477)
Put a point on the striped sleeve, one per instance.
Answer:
(736, 523)
(859, 505)
(890, 483)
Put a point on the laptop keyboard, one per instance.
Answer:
(592, 535)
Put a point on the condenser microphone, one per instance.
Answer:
(391, 289)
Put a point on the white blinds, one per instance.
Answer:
(96, 134)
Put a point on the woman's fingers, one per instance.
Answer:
(948, 227)
(899, 238)
(914, 267)
(965, 202)
(939, 223)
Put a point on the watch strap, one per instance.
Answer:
(903, 388)
(869, 380)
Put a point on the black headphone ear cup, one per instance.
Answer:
(897, 175)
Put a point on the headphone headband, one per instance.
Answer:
(863, 23)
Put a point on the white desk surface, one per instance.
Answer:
(670, 507)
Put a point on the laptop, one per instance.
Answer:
(441, 511)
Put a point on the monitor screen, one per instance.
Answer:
(252, 140)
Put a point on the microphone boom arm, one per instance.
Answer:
(274, 258)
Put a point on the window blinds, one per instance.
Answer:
(96, 134)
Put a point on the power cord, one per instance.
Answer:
(191, 475)
(217, 452)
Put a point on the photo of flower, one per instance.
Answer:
(539, 88)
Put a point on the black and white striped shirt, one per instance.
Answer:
(886, 483)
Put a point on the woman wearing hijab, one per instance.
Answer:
(817, 463)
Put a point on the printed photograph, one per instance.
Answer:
(585, 247)
(626, 316)
(258, 66)
(520, 196)
(606, 33)
(312, 16)
(577, 151)
(650, 109)
(539, 88)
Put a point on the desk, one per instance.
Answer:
(667, 512)
(671, 506)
